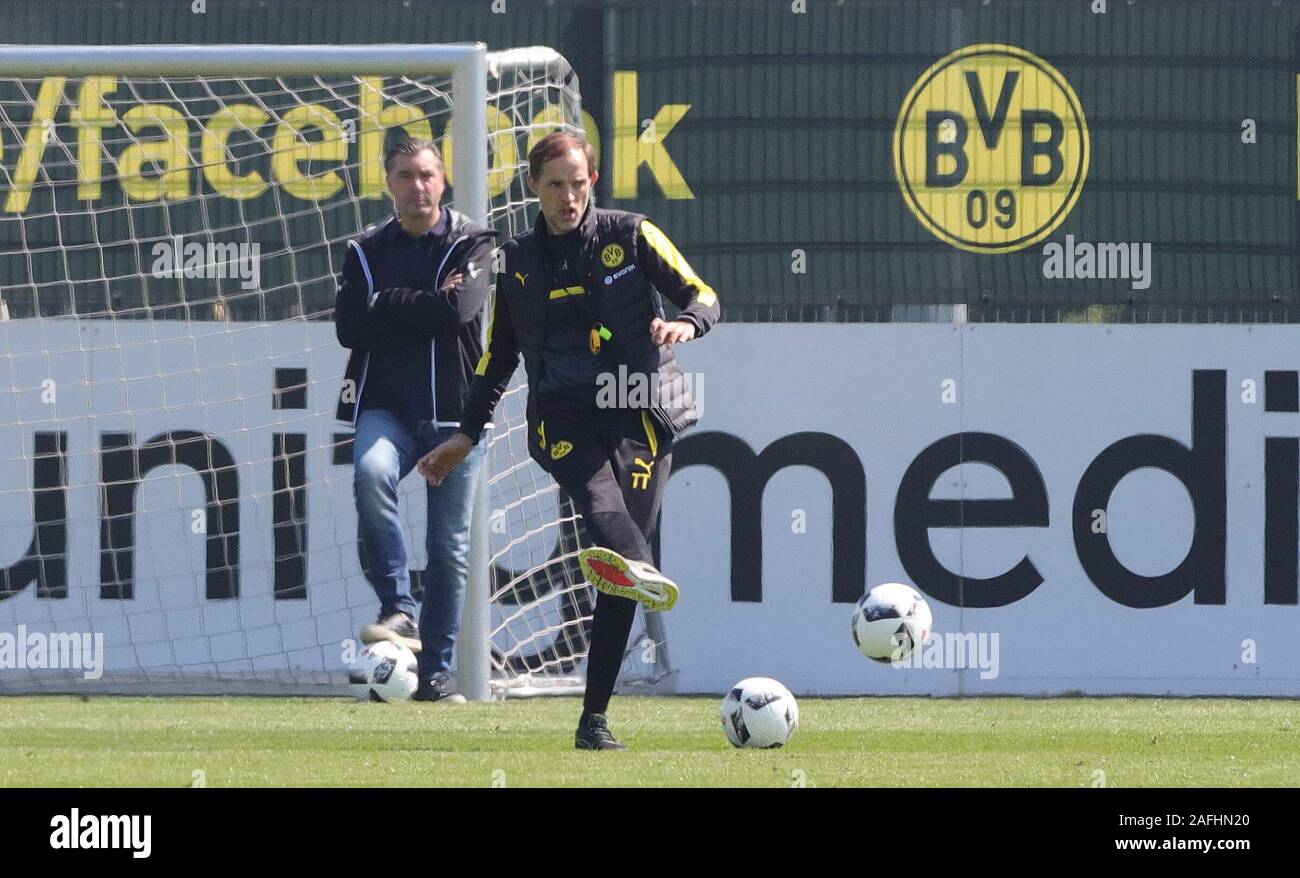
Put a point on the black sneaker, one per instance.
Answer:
(397, 627)
(594, 734)
(438, 688)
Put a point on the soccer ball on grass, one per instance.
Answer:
(759, 712)
(384, 671)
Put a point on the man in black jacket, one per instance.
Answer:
(578, 297)
(409, 307)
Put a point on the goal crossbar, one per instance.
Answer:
(236, 60)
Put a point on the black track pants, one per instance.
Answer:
(614, 463)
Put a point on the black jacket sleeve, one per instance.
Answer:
(444, 311)
(354, 323)
(673, 276)
(494, 369)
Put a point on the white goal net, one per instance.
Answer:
(176, 509)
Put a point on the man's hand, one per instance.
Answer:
(438, 463)
(664, 332)
(451, 280)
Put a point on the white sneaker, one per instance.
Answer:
(611, 573)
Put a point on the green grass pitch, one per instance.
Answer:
(675, 741)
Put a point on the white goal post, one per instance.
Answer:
(219, 554)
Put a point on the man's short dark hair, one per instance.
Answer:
(412, 146)
(557, 144)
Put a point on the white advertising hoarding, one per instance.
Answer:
(1100, 599)
(1043, 485)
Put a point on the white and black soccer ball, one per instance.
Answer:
(890, 622)
(384, 671)
(759, 712)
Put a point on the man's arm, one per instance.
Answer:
(490, 379)
(354, 324)
(443, 311)
(494, 368)
(673, 276)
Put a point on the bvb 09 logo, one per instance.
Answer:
(612, 256)
(991, 148)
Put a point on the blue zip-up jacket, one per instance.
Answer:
(392, 314)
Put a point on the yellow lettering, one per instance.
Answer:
(632, 150)
(92, 116)
(551, 118)
(375, 120)
(503, 152)
(216, 169)
(289, 149)
(34, 142)
(171, 154)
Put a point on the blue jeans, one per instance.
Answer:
(386, 450)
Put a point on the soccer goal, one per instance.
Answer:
(176, 509)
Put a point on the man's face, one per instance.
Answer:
(564, 189)
(416, 183)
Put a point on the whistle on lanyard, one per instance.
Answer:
(599, 334)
